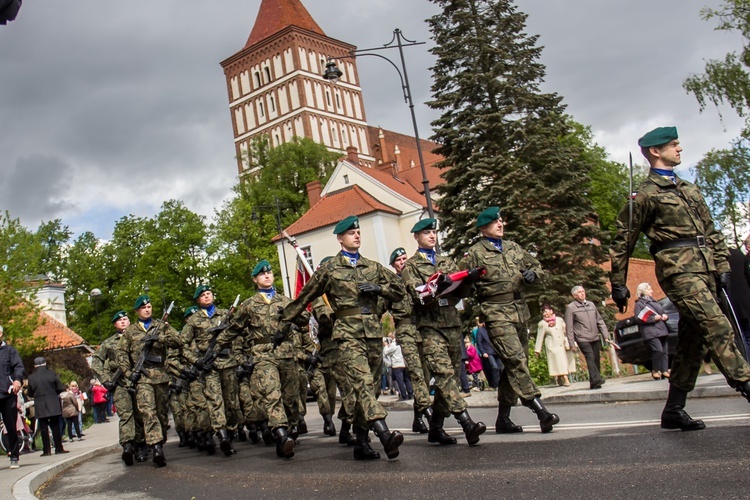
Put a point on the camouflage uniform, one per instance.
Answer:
(357, 327)
(275, 373)
(177, 402)
(307, 347)
(221, 381)
(665, 212)
(500, 293)
(439, 324)
(104, 366)
(152, 397)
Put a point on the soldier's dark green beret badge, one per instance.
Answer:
(396, 254)
(190, 311)
(351, 222)
(658, 136)
(200, 290)
(261, 267)
(488, 216)
(142, 301)
(118, 315)
(424, 224)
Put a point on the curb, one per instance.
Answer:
(24, 488)
(624, 397)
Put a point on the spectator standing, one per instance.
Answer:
(584, 325)
(739, 290)
(10, 383)
(650, 317)
(45, 387)
(70, 411)
(398, 368)
(81, 398)
(99, 396)
(560, 358)
(473, 364)
(491, 362)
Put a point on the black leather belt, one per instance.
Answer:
(353, 311)
(502, 298)
(698, 241)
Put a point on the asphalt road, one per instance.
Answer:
(598, 451)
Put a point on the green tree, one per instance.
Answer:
(509, 144)
(724, 177)
(86, 270)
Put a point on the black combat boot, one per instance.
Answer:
(301, 426)
(674, 416)
(127, 453)
(208, 442)
(546, 419)
(345, 435)
(472, 430)
(190, 439)
(141, 453)
(284, 443)
(436, 432)
(503, 424)
(183, 439)
(159, 459)
(266, 433)
(418, 424)
(362, 448)
(743, 388)
(252, 433)
(329, 429)
(241, 434)
(390, 440)
(294, 432)
(225, 443)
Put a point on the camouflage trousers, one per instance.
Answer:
(250, 401)
(177, 406)
(361, 360)
(196, 408)
(319, 388)
(329, 349)
(414, 357)
(131, 423)
(703, 327)
(511, 341)
(442, 353)
(278, 383)
(152, 401)
(221, 394)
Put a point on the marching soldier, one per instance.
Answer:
(352, 285)
(151, 382)
(309, 360)
(221, 377)
(500, 293)
(691, 256)
(178, 402)
(440, 326)
(411, 345)
(105, 367)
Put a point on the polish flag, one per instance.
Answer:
(646, 314)
(302, 277)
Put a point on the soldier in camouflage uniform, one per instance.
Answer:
(500, 293)
(690, 255)
(152, 382)
(308, 363)
(352, 285)
(177, 402)
(104, 365)
(275, 371)
(410, 341)
(220, 378)
(440, 326)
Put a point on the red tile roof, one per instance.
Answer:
(275, 15)
(335, 206)
(57, 335)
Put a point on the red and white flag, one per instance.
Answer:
(302, 277)
(646, 314)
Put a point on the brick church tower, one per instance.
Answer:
(276, 87)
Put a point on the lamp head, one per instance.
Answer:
(332, 73)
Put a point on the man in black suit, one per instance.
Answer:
(11, 365)
(45, 388)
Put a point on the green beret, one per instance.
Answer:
(488, 216)
(396, 254)
(424, 224)
(324, 260)
(118, 315)
(351, 222)
(200, 290)
(142, 301)
(190, 311)
(261, 267)
(658, 136)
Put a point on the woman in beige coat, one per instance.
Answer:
(560, 359)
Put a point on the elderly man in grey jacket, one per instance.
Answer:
(584, 324)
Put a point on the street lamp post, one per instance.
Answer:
(276, 209)
(332, 74)
(96, 296)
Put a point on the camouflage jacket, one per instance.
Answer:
(405, 318)
(196, 339)
(436, 313)
(356, 313)
(131, 344)
(104, 361)
(664, 212)
(500, 291)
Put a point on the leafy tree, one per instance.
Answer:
(509, 144)
(86, 270)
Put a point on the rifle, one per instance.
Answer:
(148, 343)
(209, 358)
(246, 368)
(115, 380)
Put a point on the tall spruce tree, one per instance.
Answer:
(507, 143)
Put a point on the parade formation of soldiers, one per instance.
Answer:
(242, 374)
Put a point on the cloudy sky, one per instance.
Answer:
(109, 108)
